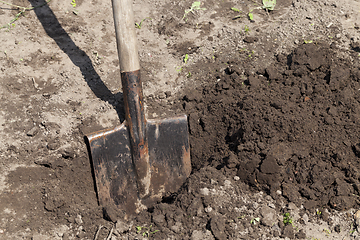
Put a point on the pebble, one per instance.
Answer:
(268, 216)
(236, 178)
(278, 192)
(227, 184)
(205, 191)
(208, 209)
(78, 219)
(199, 235)
(32, 132)
(305, 217)
(357, 219)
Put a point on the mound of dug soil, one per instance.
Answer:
(289, 133)
(291, 129)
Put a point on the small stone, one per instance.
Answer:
(168, 94)
(305, 217)
(159, 219)
(33, 131)
(278, 192)
(288, 232)
(66, 236)
(357, 217)
(268, 216)
(250, 39)
(199, 235)
(176, 228)
(208, 209)
(227, 184)
(337, 228)
(217, 225)
(78, 219)
(301, 234)
(161, 95)
(205, 191)
(236, 178)
(122, 226)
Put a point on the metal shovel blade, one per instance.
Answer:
(116, 180)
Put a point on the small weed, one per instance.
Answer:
(318, 212)
(236, 10)
(73, 3)
(246, 29)
(326, 231)
(251, 15)
(178, 68)
(186, 58)
(254, 220)
(287, 219)
(145, 231)
(138, 25)
(194, 7)
(251, 53)
(352, 229)
(188, 75)
(308, 41)
(21, 12)
(269, 5)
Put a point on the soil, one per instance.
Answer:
(273, 108)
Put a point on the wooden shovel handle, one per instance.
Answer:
(125, 35)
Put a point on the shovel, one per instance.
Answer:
(137, 163)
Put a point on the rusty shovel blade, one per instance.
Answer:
(116, 178)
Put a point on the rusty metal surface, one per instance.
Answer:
(169, 161)
(136, 123)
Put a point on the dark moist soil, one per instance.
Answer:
(288, 133)
(290, 130)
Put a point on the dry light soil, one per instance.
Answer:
(273, 105)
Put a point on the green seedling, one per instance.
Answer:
(246, 29)
(254, 220)
(268, 5)
(22, 11)
(318, 212)
(352, 229)
(138, 25)
(178, 68)
(287, 219)
(236, 10)
(308, 41)
(326, 231)
(186, 58)
(145, 231)
(194, 7)
(251, 15)
(189, 75)
(73, 3)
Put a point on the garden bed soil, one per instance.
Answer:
(273, 108)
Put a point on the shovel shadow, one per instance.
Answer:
(77, 56)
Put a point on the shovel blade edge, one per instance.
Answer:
(169, 154)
